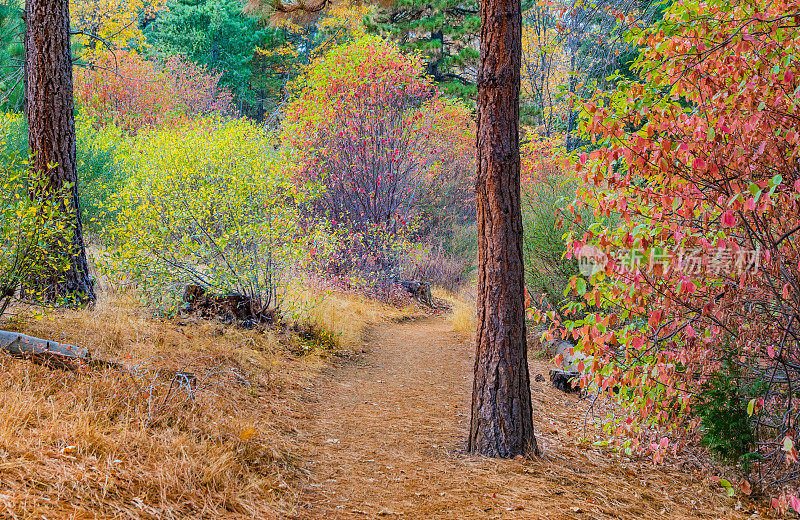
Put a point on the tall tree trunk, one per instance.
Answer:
(502, 417)
(51, 138)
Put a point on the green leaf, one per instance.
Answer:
(751, 407)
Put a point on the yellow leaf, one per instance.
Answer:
(247, 434)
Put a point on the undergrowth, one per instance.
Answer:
(726, 428)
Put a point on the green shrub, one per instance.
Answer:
(547, 272)
(13, 136)
(99, 175)
(725, 426)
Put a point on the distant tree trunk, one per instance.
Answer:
(573, 44)
(436, 38)
(51, 137)
(502, 417)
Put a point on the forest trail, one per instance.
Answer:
(385, 430)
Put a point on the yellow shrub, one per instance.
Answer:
(210, 203)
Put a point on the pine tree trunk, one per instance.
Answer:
(502, 417)
(51, 138)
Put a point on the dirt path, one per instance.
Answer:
(386, 431)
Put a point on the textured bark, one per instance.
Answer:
(51, 137)
(502, 417)
(42, 351)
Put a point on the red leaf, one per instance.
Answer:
(728, 219)
(654, 319)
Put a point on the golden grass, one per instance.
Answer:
(107, 444)
(346, 317)
(463, 311)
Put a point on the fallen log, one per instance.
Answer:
(562, 380)
(419, 290)
(70, 357)
(49, 353)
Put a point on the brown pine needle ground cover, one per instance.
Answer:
(384, 433)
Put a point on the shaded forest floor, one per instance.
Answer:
(383, 433)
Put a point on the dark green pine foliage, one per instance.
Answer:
(726, 427)
(286, 53)
(214, 33)
(12, 55)
(445, 32)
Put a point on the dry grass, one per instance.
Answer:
(107, 444)
(463, 311)
(110, 444)
(267, 435)
(346, 317)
